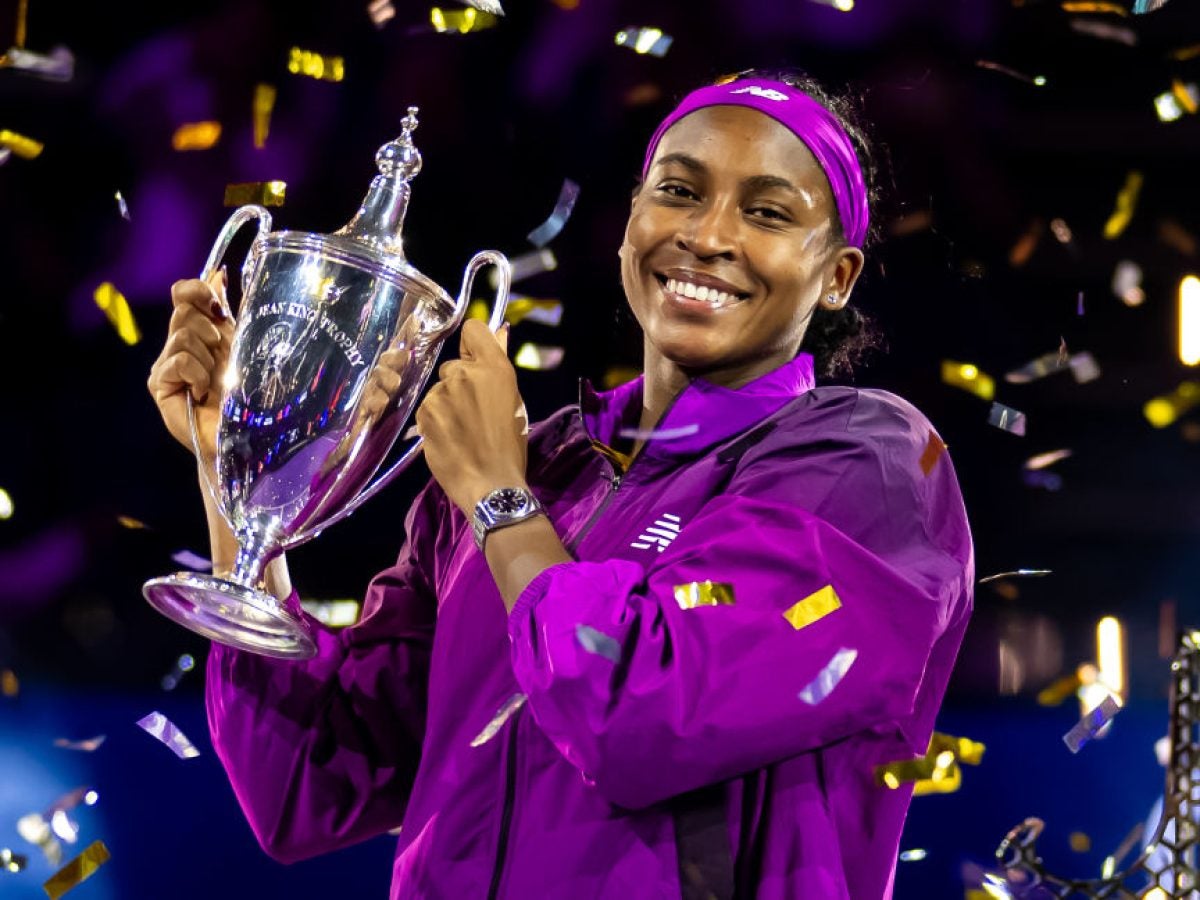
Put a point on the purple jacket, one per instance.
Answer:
(547, 753)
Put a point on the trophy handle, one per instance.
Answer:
(480, 260)
(239, 218)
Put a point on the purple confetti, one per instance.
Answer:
(1091, 724)
(164, 729)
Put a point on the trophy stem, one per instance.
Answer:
(257, 546)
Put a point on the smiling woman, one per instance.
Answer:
(653, 666)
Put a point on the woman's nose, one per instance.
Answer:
(710, 231)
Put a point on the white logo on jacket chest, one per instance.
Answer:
(659, 535)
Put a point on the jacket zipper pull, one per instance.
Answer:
(616, 482)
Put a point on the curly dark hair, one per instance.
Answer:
(838, 339)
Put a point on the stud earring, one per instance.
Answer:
(831, 300)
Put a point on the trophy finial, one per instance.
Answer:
(400, 159)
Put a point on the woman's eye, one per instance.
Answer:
(677, 190)
(769, 212)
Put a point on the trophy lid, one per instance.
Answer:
(380, 219)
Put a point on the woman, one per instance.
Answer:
(602, 668)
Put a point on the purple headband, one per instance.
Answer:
(804, 117)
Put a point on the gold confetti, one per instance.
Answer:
(460, 20)
(1185, 95)
(10, 686)
(615, 376)
(538, 358)
(1183, 53)
(1080, 842)
(969, 378)
(813, 608)
(934, 448)
(116, 307)
(937, 772)
(131, 523)
(264, 193)
(703, 593)
(1171, 233)
(1023, 249)
(1090, 6)
(77, 870)
(1058, 691)
(264, 103)
(334, 613)
(25, 147)
(314, 65)
(1162, 411)
(196, 135)
(1126, 202)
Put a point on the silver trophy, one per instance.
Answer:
(295, 449)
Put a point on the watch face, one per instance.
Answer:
(506, 501)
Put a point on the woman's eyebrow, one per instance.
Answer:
(688, 162)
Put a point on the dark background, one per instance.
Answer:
(977, 157)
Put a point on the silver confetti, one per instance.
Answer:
(1016, 573)
(487, 6)
(1007, 419)
(122, 206)
(1084, 367)
(598, 642)
(548, 230)
(526, 266)
(1091, 724)
(57, 65)
(829, 677)
(503, 714)
(164, 729)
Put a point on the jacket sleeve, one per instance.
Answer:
(322, 753)
(650, 699)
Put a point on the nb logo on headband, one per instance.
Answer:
(765, 93)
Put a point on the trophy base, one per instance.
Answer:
(236, 616)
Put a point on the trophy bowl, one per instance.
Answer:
(296, 449)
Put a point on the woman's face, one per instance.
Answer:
(728, 248)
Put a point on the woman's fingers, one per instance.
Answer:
(187, 341)
(199, 295)
(178, 373)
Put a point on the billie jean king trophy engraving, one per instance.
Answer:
(295, 447)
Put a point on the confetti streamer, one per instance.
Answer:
(12, 862)
(1044, 365)
(934, 448)
(526, 266)
(1007, 419)
(78, 870)
(461, 21)
(598, 642)
(264, 193)
(1162, 411)
(645, 41)
(314, 65)
(813, 608)
(334, 613)
(57, 65)
(10, 686)
(1016, 573)
(24, 147)
(538, 357)
(520, 308)
(829, 677)
(116, 307)
(122, 206)
(659, 434)
(196, 136)
(1127, 199)
(164, 729)
(89, 745)
(1043, 460)
(969, 378)
(1091, 724)
(1105, 31)
(182, 666)
(503, 714)
(263, 105)
(381, 12)
(912, 855)
(703, 593)
(548, 230)
(1038, 80)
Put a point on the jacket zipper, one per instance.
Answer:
(510, 789)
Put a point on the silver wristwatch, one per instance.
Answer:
(503, 506)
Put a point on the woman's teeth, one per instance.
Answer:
(700, 292)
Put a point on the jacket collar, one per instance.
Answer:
(718, 413)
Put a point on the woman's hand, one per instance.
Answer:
(473, 420)
(194, 359)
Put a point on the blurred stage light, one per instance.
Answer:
(1189, 320)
